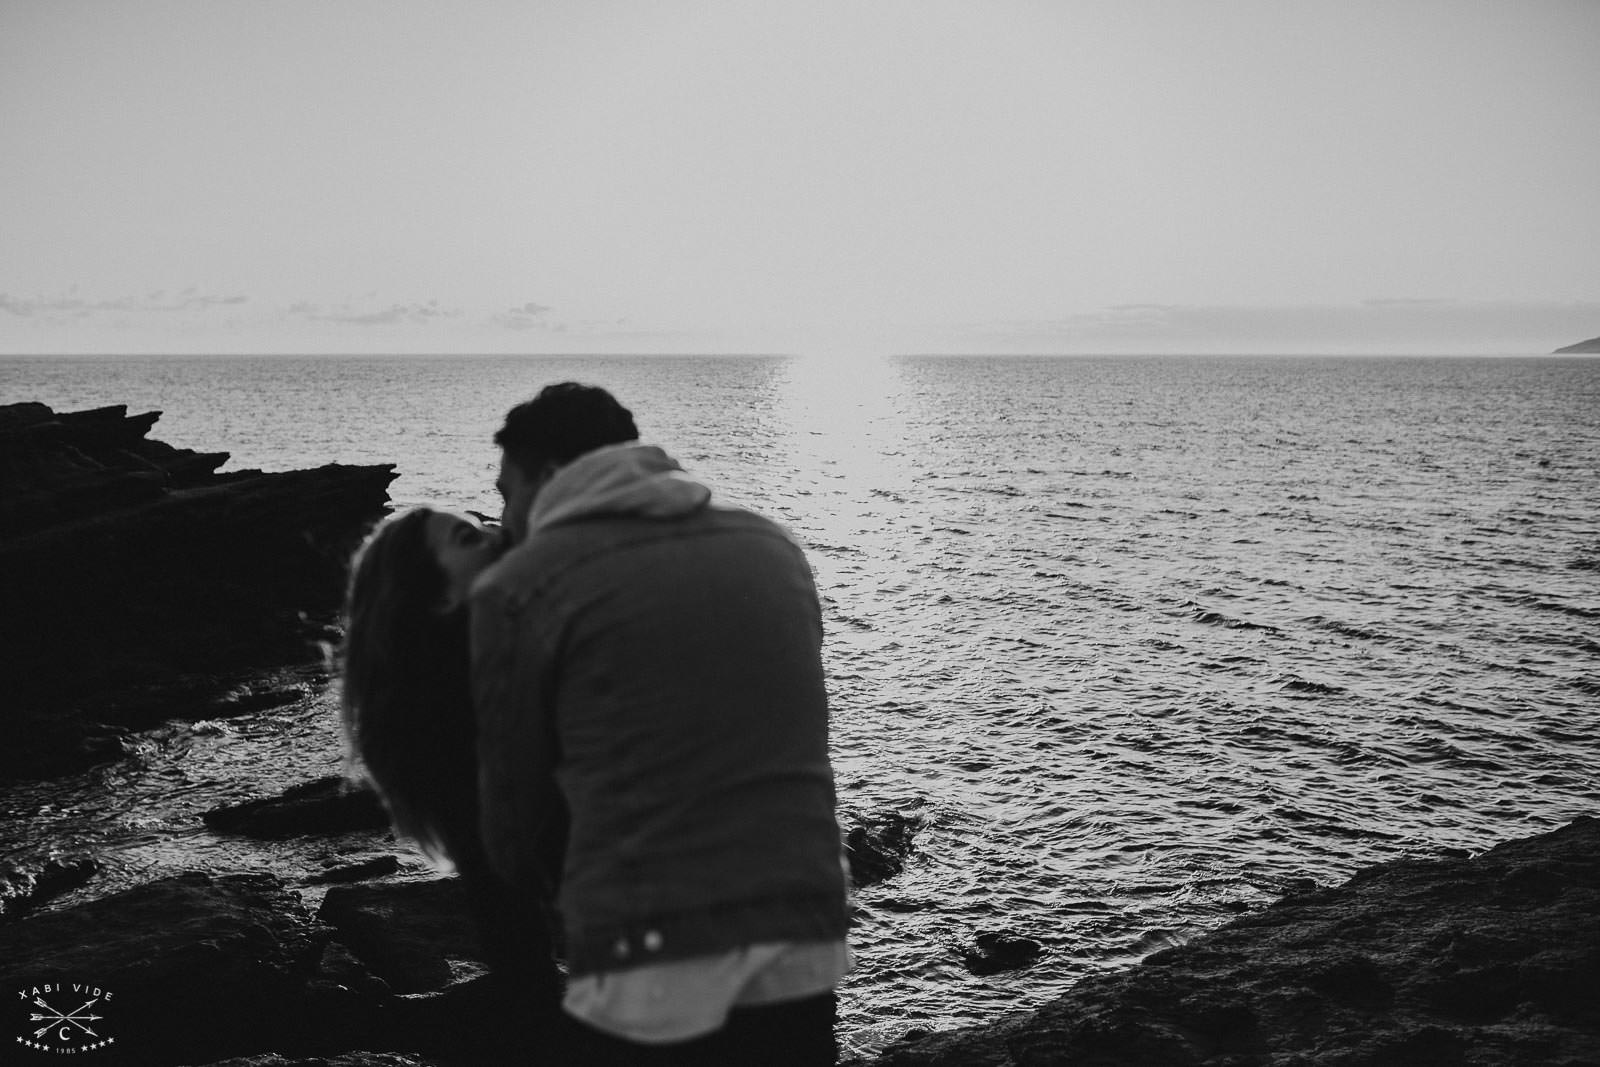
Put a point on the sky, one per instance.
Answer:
(372, 176)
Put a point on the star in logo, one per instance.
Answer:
(42, 1047)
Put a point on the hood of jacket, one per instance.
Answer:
(618, 480)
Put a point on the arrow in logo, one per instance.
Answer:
(76, 1018)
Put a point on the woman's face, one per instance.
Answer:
(463, 547)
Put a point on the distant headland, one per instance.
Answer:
(1582, 347)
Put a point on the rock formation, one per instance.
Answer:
(876, 849)
(199, 968)
(1493, 959)
(139, 583)
(330, 805)
(995, 951)
(1486, 960)
(22, 889)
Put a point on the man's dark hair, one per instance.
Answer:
(562, 423)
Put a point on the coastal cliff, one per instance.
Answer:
(139, 582)
(1492, 959)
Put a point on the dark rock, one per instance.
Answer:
(23, 890)
(482, 1022)
(359, 871)
(1484, 960)
(130, 566)
(1350, 980)
(1438, 961)
(995, 951)
(1592, 345)
(339, 969)
(47, 745)
(416, 936)
(332, 805)
(192, 968)
(877, 849)
(199, 969)
(354, 1059)
(195, 697)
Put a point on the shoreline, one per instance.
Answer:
(1488, 959)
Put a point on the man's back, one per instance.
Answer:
(672, 655)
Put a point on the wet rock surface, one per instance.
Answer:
(187, 968)
(876, 848)
(996, 951)
(357, 1059)
(141, 584)
(204, 968)
(22, 889)
(415, 936)
(329, 805)
(1493, 959)
(357, 871)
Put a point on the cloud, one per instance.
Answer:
(1408, 301)
(170, 320)
(15, 306)
(415, 313)
(529, 316)
(75, 308)
(1397, 325)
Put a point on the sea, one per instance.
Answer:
(1139, 644)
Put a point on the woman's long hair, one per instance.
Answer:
(406, 702)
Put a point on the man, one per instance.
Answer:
(653, 744)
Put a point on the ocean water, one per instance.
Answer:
(1141, 641)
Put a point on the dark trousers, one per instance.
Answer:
(795, 1033)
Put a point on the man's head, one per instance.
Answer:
(545, 434)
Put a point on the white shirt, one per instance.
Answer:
(657, 1003)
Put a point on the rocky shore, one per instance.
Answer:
(142, 585)
(1493, 959)
(372, 960)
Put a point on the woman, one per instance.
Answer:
(407, 712)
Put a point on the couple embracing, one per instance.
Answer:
(609, 717)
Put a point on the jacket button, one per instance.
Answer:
(652, 941)
(620, 949)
